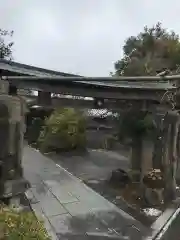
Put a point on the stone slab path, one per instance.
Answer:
(69, 208)
(94, 164)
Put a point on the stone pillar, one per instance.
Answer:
(170, 155)
(158, 142)
(4, 87)
(147, 154)
(13, 90)
(44, 98)
(136, 158)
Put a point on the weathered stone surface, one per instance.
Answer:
(89, 217)
(11, 120)
(119, 177)
(154, 197)
(4, 86)
(61, 194)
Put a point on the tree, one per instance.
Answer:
(5, 44)
(149, 53)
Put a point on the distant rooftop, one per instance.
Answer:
(14, 68)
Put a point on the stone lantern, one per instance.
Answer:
(12, 183)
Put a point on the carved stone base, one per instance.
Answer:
(119, 177)
(15, 187)
(154, 197)
(135, 175)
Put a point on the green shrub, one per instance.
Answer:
(24, 225)
(64, 130)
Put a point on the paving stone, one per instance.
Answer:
(77, 208)
(40, 192)
(49, 204)
(38, 210)
(76, 189)
(34, 179)
(89, 197)
(92, 216)
(61, 223)
(61, 194)
(52, 207)
(96, 202)
(81, 225)
(30, 196)
(60, 176)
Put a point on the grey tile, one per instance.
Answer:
(77, 189)
(82, 227)
(89, 197)
(62, 195)
(52, 207)
(60, 176)
(40, 192)
(30, 196)
(61, 223)
(77, 208)
(95, 202)
(32, 177)
(81, 224)
(48, 202)
(38, 210)
(60, 192)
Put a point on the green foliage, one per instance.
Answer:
(136, 124)
(5, 46)
(64, 130)
(24, 225)
(150, 52)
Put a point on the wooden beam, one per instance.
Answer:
(94, 91)
(99, 79)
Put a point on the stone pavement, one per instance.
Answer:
(69, 208)
(95, 164)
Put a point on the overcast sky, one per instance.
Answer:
(80, 36)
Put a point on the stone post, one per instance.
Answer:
(170, 155)
(158, 142)
(147, 154)
(136, 158)
(13, 90)
(12, 182)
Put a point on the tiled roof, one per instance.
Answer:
(30, 70)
